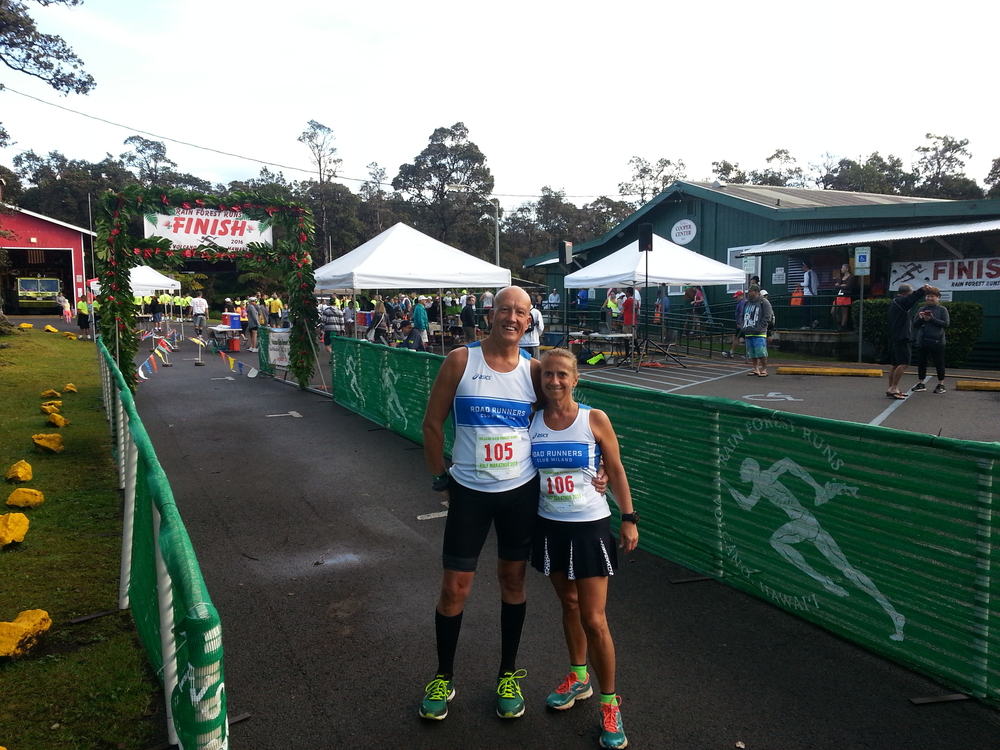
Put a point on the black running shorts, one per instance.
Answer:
(470, 515)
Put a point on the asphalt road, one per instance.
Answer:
(309, 536)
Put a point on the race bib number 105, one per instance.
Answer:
(500, 456)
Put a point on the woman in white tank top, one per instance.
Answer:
(573, 544)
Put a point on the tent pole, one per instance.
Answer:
(441, 317)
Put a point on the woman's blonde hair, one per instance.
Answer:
(564, 354)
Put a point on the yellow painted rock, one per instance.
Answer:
(50, 394)
(20, 636)
(58, 420)
(52, 403)
(69, 335)
(51, 329)
(13, 527)
(19, 472)
(22, 497)
(49, 409)
(25, 326)
(69, 388)
(50, 442)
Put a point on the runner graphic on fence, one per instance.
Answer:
(392, 404)
(805, 528)
(351, 368)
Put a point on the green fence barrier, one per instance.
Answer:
(162, 583)
(886, 538)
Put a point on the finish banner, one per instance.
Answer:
(190, 228)
(948, 275)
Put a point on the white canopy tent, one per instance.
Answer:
(145, 280)
(668, 263)
(403, 258)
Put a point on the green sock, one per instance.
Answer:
(608, 697)
(579, 671)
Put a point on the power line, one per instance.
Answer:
(251, 158)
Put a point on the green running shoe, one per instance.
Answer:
(510, 702)
(569, 693)
(612, 729)
(437, 695)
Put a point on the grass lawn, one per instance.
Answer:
(86, 686)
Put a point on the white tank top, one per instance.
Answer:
(567, 461)
(491, 414)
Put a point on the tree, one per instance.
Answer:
(60, 187)
(149, 160)
(450, 158)
(648, 180)
(268, 184)
(875, 175)
(940, 169)
(44, 56)
(993, 179)
(729, 173)
(783, 173)
(600, 216)
(376, 212)
(318, 138)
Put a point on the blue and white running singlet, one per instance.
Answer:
(567, 461)
(491, 414)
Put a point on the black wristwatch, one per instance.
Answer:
(633, 517)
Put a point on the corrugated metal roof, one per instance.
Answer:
(786, 197)
(870, 236)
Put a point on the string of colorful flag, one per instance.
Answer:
(164, 346)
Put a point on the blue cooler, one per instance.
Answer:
(231, 320)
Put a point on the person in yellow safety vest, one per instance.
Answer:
(187, 305)
(83, 318)
(274, 308)
(241, 308)
(165, 300)
(178, 307)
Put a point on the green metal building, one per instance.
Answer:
(770, 231)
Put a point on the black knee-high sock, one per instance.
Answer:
(511, 624)
(447, 629)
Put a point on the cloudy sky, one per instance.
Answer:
(554, 92)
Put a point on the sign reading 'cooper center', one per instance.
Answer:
(190, 228)
(683, 232)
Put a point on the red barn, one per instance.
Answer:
(46, 257)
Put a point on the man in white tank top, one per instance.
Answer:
(488, 388)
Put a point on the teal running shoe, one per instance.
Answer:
(612, 729)
(437, 695)
(510, 702)
(569, 692)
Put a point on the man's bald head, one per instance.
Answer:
(519, 296)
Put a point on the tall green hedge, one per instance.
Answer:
(961, 336)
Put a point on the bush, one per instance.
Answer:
(962, 334)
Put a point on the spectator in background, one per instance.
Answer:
(253, 313)
(531, 338)
(420, 322)
(846, 287)
(552, 305)
(582, 303)
(487, 302)
(411, 337)
(274, 308)
(756, 319)
(379, 325)
(199, 309)
(740, 304)
(900, 334)
(468, 316)
(810, 289)
(332, 321)
(931, 321)
(630, 310)
(156, 310)
(350, 316)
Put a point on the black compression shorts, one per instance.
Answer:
(470, 515)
